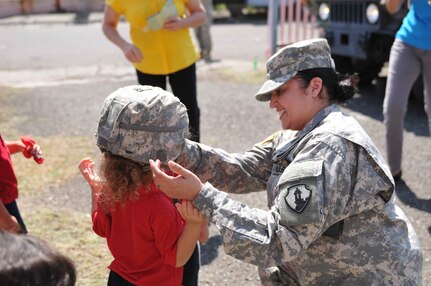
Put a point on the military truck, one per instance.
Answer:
(235, 6)
(360, 34)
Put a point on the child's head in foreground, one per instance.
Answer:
(138, 123)
(29, 260)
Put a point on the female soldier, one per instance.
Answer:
(332, 217)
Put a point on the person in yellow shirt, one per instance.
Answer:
(162, 46)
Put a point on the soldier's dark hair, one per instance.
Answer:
(340, 87)
(27, 260)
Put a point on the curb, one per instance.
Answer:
(55, 18)
(72, 18)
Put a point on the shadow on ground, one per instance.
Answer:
(408, 197)
(209, 250)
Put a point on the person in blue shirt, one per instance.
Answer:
(410, 55)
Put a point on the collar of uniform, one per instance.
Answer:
(284, 151)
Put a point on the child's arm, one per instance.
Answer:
(15, 146)
(8, 222)
(27, 146)
(203, 237)
(190, 235)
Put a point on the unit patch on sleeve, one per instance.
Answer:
(297, 197)
(300, 198)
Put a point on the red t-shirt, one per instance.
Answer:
(8, 182)
(142, 236)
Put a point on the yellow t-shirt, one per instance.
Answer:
(163, 51)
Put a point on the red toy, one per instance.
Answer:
(29, 143)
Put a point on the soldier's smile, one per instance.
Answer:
(281, 113)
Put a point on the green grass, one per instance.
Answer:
(71, 234)
(67, 230)
(62, 155)
(7, 119)
(251, 75)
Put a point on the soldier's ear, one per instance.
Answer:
(315, 86)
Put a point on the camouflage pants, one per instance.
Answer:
(282, 275)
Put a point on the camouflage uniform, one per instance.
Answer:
(332, 217)
(348, 231)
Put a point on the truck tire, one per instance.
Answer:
(343, 64)
(366, 70)
(235, 10)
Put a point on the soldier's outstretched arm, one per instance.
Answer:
(233, 172)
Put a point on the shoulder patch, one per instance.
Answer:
(301, 197)
(297, 197)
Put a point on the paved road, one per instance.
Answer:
(58, 67)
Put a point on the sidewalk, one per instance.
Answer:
(72, 18)
(52, 18)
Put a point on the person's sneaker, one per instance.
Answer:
(397, 175)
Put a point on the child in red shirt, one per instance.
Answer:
(149, 238)
(10, 216)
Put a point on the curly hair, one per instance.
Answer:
(123, 177)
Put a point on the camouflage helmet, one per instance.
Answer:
(141, 122)
(285, 64)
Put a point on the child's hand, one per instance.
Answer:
(86, 166)
(36, 152)
(189, 213)
(10, 224)
(31, 149)
(14, 227)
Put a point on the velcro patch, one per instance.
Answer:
(300, 199)
(297, 197)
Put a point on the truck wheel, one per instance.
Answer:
(367, 71)
(343, 64)
(235, 10)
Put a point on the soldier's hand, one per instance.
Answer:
(185, 186)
